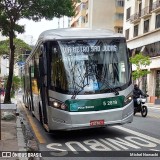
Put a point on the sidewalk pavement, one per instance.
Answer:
(153, 105)
(12, 138)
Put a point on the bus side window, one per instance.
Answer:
(44, 59)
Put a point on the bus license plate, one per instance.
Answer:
(97, 123)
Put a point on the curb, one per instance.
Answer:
(20, 137)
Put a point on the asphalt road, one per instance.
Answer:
(130, 141)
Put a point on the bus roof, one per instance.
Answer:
(76, 33)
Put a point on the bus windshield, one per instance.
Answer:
(89, 66)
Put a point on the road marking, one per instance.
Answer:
(139, 134)
(106, 144)
(35, 128)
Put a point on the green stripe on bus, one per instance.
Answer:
(82, 105)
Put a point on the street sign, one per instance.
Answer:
(21, 63)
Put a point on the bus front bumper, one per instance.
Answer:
(62, 120)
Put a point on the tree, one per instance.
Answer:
(17, 83)
(20, 48)
(11, 11)
(140, 61)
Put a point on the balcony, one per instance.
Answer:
(146, 12)
(119, 9)
(79, 14)
(118, 23)
(135, 17)
(156, 6)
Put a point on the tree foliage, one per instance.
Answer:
(140, 61)
(11, 11)
(20, 47)
(17, 83)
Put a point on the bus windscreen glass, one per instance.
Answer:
(89, 66)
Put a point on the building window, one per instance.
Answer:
(146, 26)
(140, 9)
(86, 18)
(150, 5)
(82, 6)
(157, 21)
(128, 13)
(152, 50)
(119, 16)
(120, 29)
(81, 20)
(120, 3)
(135, 30)
(144, 84)
(127, 34)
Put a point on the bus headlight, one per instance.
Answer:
(57, 104)
(128, 99)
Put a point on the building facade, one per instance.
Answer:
(106, 14)
(142, 31)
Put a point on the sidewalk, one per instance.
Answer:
(12, 138)
(153, 105)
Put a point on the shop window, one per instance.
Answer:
(157, 90)
(153, 49)
(144, 84)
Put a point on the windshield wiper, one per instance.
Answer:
(82, 87)
(76, 92)
(109, 85)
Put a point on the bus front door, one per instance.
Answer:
(43, 90)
